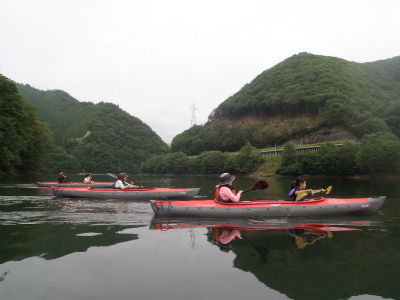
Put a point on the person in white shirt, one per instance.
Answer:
(123, 184)
(88, 179)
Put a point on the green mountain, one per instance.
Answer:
(297, 97)
(93, 137)
(25, 141)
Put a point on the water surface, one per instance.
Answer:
(55, 248)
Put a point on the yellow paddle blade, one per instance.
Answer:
(301, 242)
(329, 234)
(328, 190)
(301, 195)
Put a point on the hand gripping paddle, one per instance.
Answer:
(305, 193)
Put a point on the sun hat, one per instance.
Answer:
(122, 175)
(226, 178)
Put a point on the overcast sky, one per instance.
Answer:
(155, 58)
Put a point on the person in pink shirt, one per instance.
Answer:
(228, 235)
(225, 192)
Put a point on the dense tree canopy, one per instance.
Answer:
(25, 141)
(208, 162)
(379, 153)
(94, 137)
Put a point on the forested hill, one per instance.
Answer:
(93, 137)
(297, 97)
(25, 141)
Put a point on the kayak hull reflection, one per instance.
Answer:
(267, 208)
(331, 223)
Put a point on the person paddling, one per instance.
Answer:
(88, 179)
(298, 186)
(62, 178)
(121, 183)
(225, 192)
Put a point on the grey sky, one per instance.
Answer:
(154, 58)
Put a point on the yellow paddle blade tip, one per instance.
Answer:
(328, 190)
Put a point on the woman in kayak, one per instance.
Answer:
(225, 192)
(88, 179)
(121, 183)
(298, 186)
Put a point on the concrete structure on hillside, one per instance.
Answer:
(299, 150)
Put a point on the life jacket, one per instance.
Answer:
(293, 196)
(219, 198)
(123, 182)
(113, 185)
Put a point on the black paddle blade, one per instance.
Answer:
(258, 186)
(261, 185)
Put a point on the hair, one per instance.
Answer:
(296, 183)
(122, 175)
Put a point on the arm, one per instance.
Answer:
(309, 191)
(226, 194)
(131, 185)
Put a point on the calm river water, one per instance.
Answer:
(53, 248)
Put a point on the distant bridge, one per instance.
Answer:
(299, 150)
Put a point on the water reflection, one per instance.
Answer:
(306, 258)
(51, 241)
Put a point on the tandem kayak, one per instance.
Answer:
(126, 194)
(267, 208)
(77, 184)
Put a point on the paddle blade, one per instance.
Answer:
(112, 175)
(301, 195)
(261, 185)
(258, 186)
(328, 190)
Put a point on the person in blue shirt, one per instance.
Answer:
(300, 185)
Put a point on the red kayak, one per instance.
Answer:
(126, 194)
(267, 208)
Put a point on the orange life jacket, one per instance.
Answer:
(219, 198)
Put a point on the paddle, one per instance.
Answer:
(305, 193)
(63, 173)
(261, 185)
(112, 175)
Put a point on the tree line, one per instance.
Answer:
(25, 140)
(378, 153)
(208, 162)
